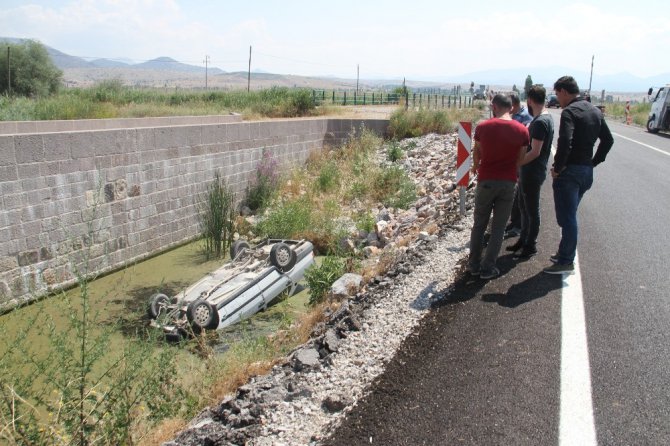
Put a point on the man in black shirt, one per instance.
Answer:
(581, 125)
(533, 173)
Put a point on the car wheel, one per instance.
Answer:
(650, 126)
(202, 315)
(283, 257)
(237, 247)
(158, 304)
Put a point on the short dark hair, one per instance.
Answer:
(515, 98)
(502, 100)
(537, 93)
(567, 83)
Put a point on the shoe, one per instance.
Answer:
(490, 274)
(512, 232)
(515, 247)
(525, 253)
(558, 268)
(554, 258)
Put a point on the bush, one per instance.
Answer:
(366, 222)
(288, 220)
(264, 184)
(321, 278)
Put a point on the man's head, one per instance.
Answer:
(500, 104)
(566, 89)
(516, 102)
(535, 99)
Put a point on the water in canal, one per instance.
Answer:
(122, 297)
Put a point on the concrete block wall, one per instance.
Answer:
(93, 201)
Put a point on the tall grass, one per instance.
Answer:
(217, 214)
(110, 99)
(640, 112)
(413, 123)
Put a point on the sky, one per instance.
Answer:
(419, 39)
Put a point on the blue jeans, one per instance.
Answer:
(569, 188)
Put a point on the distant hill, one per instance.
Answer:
(167, 63)
(108, 63)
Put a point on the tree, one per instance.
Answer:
(472, 87)
(32, 73)
(515, 89)
(527, 85)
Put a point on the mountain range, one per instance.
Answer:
(500, 78)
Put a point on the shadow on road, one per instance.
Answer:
(530, 289)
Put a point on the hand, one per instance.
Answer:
(554, 174)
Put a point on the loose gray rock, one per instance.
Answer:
(335, 403)
(331, 341)
(306, 358)
(347, 285)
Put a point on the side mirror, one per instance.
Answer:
(651, 89)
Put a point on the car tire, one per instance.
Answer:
(158, 304)
(237, 247)
(650, 128)
(283, 257)
(202, 315)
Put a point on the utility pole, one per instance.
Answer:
(249, 72)
(591, 78)
(9, 83)
(206, 63)
(358, 72)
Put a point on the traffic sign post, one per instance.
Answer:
(463, 160)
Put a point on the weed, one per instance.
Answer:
(329, 177)
(321, 278)
(394, 188)
(365, 221)
(394, 152)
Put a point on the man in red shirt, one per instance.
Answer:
(500, 147)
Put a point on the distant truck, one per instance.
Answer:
(659, 115)
(480, 93)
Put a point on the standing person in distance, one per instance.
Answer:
(520, 114)
(581, 125)
(500, 145)
(533, 173)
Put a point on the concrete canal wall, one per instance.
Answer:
(121, 195)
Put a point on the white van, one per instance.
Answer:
(659, 115)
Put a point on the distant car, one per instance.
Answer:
(552, 101)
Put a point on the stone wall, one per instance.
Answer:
(105, 198)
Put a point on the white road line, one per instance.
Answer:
(577, 426)
(642, 144)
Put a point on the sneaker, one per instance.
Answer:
(554, 258)
(525, 253)
(558, 268)
(490, 274)
(515, 247)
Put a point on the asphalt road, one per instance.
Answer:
(484, 367)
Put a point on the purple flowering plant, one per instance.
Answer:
(265, 182)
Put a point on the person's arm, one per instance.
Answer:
(534, 152)
(565, 133)
(606, 143)
(522, 154)
(476, 157)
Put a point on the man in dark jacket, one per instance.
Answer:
(581, 125)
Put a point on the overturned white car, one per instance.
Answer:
(239, 289)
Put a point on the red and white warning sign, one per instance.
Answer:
(463, 160)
